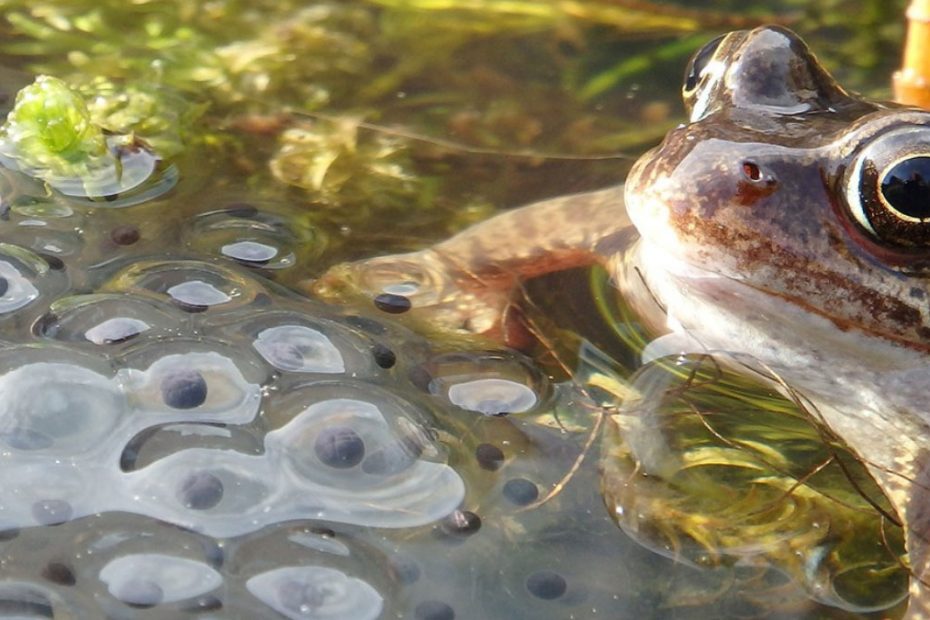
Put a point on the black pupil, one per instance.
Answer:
(699, 63)
(906, 187)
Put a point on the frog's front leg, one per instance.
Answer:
(467, 285)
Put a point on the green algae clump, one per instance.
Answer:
(50, 128)
(51, 135)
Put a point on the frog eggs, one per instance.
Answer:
(187, 402)
(180, 436)
(178, 350)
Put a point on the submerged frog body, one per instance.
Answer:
(788, 222)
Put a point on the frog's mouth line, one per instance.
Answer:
(844, 325)
(661, 269)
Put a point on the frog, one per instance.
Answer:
(787, 220)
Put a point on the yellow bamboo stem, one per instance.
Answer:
(912, 82)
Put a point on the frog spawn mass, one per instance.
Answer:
(192, 394)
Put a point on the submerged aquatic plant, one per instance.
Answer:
(156, 114)
(227, 52)
(713, 468)
(337, 167)
(434, 67)
(528, 15)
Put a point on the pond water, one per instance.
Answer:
(185, 432)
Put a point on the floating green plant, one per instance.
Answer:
(51, 134)
(50, 127)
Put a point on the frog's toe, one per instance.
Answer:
(425, 289)
(416, 277)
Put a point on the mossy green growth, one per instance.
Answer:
(50, 127)
(53, 135)
(157, 114)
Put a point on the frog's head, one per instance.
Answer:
(785, 182)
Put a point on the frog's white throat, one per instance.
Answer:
(728, 314)
(868, 390)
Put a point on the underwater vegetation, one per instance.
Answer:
(223, 76)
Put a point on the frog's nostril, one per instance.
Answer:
(752, 171)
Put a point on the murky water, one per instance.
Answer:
(184, 434)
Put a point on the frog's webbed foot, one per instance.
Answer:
(433, 292)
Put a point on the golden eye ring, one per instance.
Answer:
(887, 187)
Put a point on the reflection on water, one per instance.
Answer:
(182, 435)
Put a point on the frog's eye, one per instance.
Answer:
(905, 187)
(888, 187)
(698, 64)
(701, 91)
